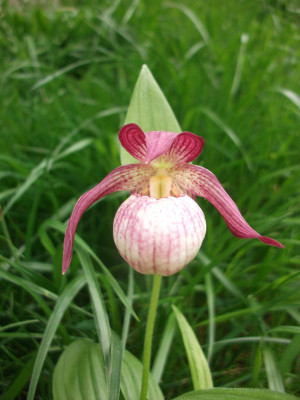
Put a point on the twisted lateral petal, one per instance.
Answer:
(186, 147)
(204, 183)
(159, 236)
(127, 177)
(133, 140)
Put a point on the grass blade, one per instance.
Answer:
(275, 381)
(33, 176)
(292, 96)
(239, 65)
(286, 329)
(199, 368)
(290, 354)
(101, 317)
(116, 356)
(56, 74)
(127, 318)
(194, 19)
(163, 350)
(20, 381)
(211, 312)
(228, 131)
(81, 244)
(62, 304)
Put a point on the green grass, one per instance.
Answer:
(67, 74)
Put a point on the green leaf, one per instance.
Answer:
(229, 132)
(199, 368)
(63, 302)
(32, 177)
(110, 345)
(81, 244)
(59, 72)
(131, 380)
(164, 348)
(211, 312)
(101, 317)
(22, 378)
(275, 381)
(126, 322)
(194, 18)
(149, 109)
(290, 353)
(78, 146)
(287, 329)
(116, 356)
(235, 394)
(257, 363)
(36, 290)
(80, 374)
(292, 96)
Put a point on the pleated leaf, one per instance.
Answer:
(235, 394)
(201, 375)
(149, 109)
(80, 375)
(131, 379)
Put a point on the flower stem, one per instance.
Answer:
(149, 334)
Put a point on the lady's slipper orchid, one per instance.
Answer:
(160, 228)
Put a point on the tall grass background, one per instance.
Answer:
(230, 71)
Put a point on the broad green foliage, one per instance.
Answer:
(235, 394)
(80, 375)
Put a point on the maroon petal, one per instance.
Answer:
(127, 177)
(186, 147)
(145, 147)
(133, 140)
(204, 183)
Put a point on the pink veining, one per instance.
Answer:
(187, 180)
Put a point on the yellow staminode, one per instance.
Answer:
(160, 185)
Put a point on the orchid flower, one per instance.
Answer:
(160, 227)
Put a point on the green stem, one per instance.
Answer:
(149, 334)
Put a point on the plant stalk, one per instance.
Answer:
(149, 335)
